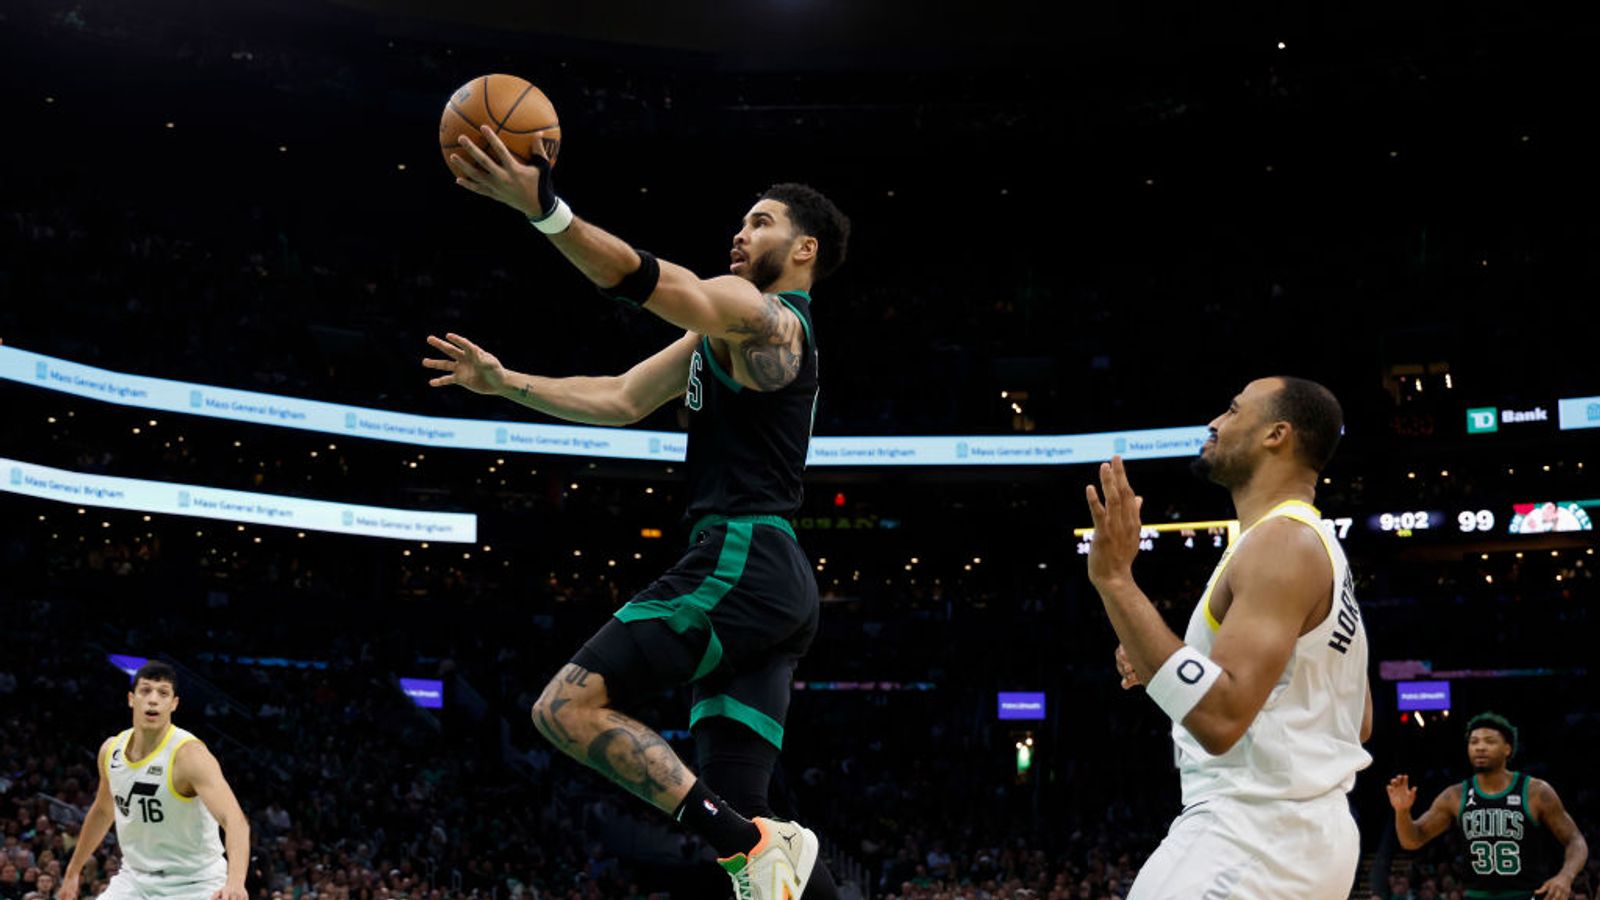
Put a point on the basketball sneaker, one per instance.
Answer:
(778, 867)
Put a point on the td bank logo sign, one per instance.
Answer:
(1483, 421)
(1489, 418)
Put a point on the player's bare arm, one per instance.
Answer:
(1366, 717)
(1549, 811)
(764, 334)
(96, 822)
(196, 773)
(1413, 833)
(592, 400)
(1276, 581)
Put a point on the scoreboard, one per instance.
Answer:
(1540, 517)
(1462, 524)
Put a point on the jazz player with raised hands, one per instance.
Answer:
(1267, 688)
(733, 617)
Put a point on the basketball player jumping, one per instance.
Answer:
(737, 612)
(1267, 689)
(1502, 813)
(150, 779)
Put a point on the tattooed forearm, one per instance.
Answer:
(769, 345)
(638, 759)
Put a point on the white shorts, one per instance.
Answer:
(1255, 850)
(200, 885)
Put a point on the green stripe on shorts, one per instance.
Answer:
(727, 707)
(690, 610)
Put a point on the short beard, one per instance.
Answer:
(1486, 767)
(766, 269)
(1220, 471)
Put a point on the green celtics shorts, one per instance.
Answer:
(733, 618)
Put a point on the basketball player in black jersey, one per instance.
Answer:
(737, 612)
(1502, 814)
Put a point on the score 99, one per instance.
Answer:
(1475, 520)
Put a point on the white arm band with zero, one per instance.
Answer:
(1181, 681)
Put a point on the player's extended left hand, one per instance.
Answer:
(231, 892)
(499, 175)
(1116, 525)
(1557, 888)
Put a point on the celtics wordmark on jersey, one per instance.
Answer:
(1499, 830)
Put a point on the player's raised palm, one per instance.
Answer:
(1401, 794)
(468, 365)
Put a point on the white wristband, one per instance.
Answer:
(556, 220)
(1181, 681)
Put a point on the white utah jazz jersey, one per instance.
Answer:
(1306, 741)
(158, 829)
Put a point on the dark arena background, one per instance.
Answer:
(224, 224)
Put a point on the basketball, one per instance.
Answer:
(518, 112)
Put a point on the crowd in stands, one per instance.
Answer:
(352, 791)
(222, 249)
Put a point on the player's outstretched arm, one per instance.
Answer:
(726, 307)
(1548, 811)
(96, 822)
(1434, 821)
(603, 400)
(195, 768)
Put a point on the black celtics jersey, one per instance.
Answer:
(747, 448)
(1499, 831)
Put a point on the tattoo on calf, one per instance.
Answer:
(767, 345)
(638, 759)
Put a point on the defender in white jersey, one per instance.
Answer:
(1268, 688)
(165, 792)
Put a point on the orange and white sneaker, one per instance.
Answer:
(778, 867)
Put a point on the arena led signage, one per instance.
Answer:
(253, 408)
(1423, 695)
(1487, 419)
(1579, 412)
(1021, 705)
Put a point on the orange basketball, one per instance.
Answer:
(518, 112)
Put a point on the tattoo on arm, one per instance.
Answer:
(767, 344)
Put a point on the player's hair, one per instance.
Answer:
(1316, 416)
(156, 670)
(815, 215)
(1497, 722)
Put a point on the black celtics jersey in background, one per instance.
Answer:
(1502, 841)
(747, 448)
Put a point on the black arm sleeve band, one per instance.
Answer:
(636, 288)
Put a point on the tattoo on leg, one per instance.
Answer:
(638, 759)
(552, 728)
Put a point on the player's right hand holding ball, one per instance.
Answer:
(1401, 793)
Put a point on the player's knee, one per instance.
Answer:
(561, 706)
(547, 714)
